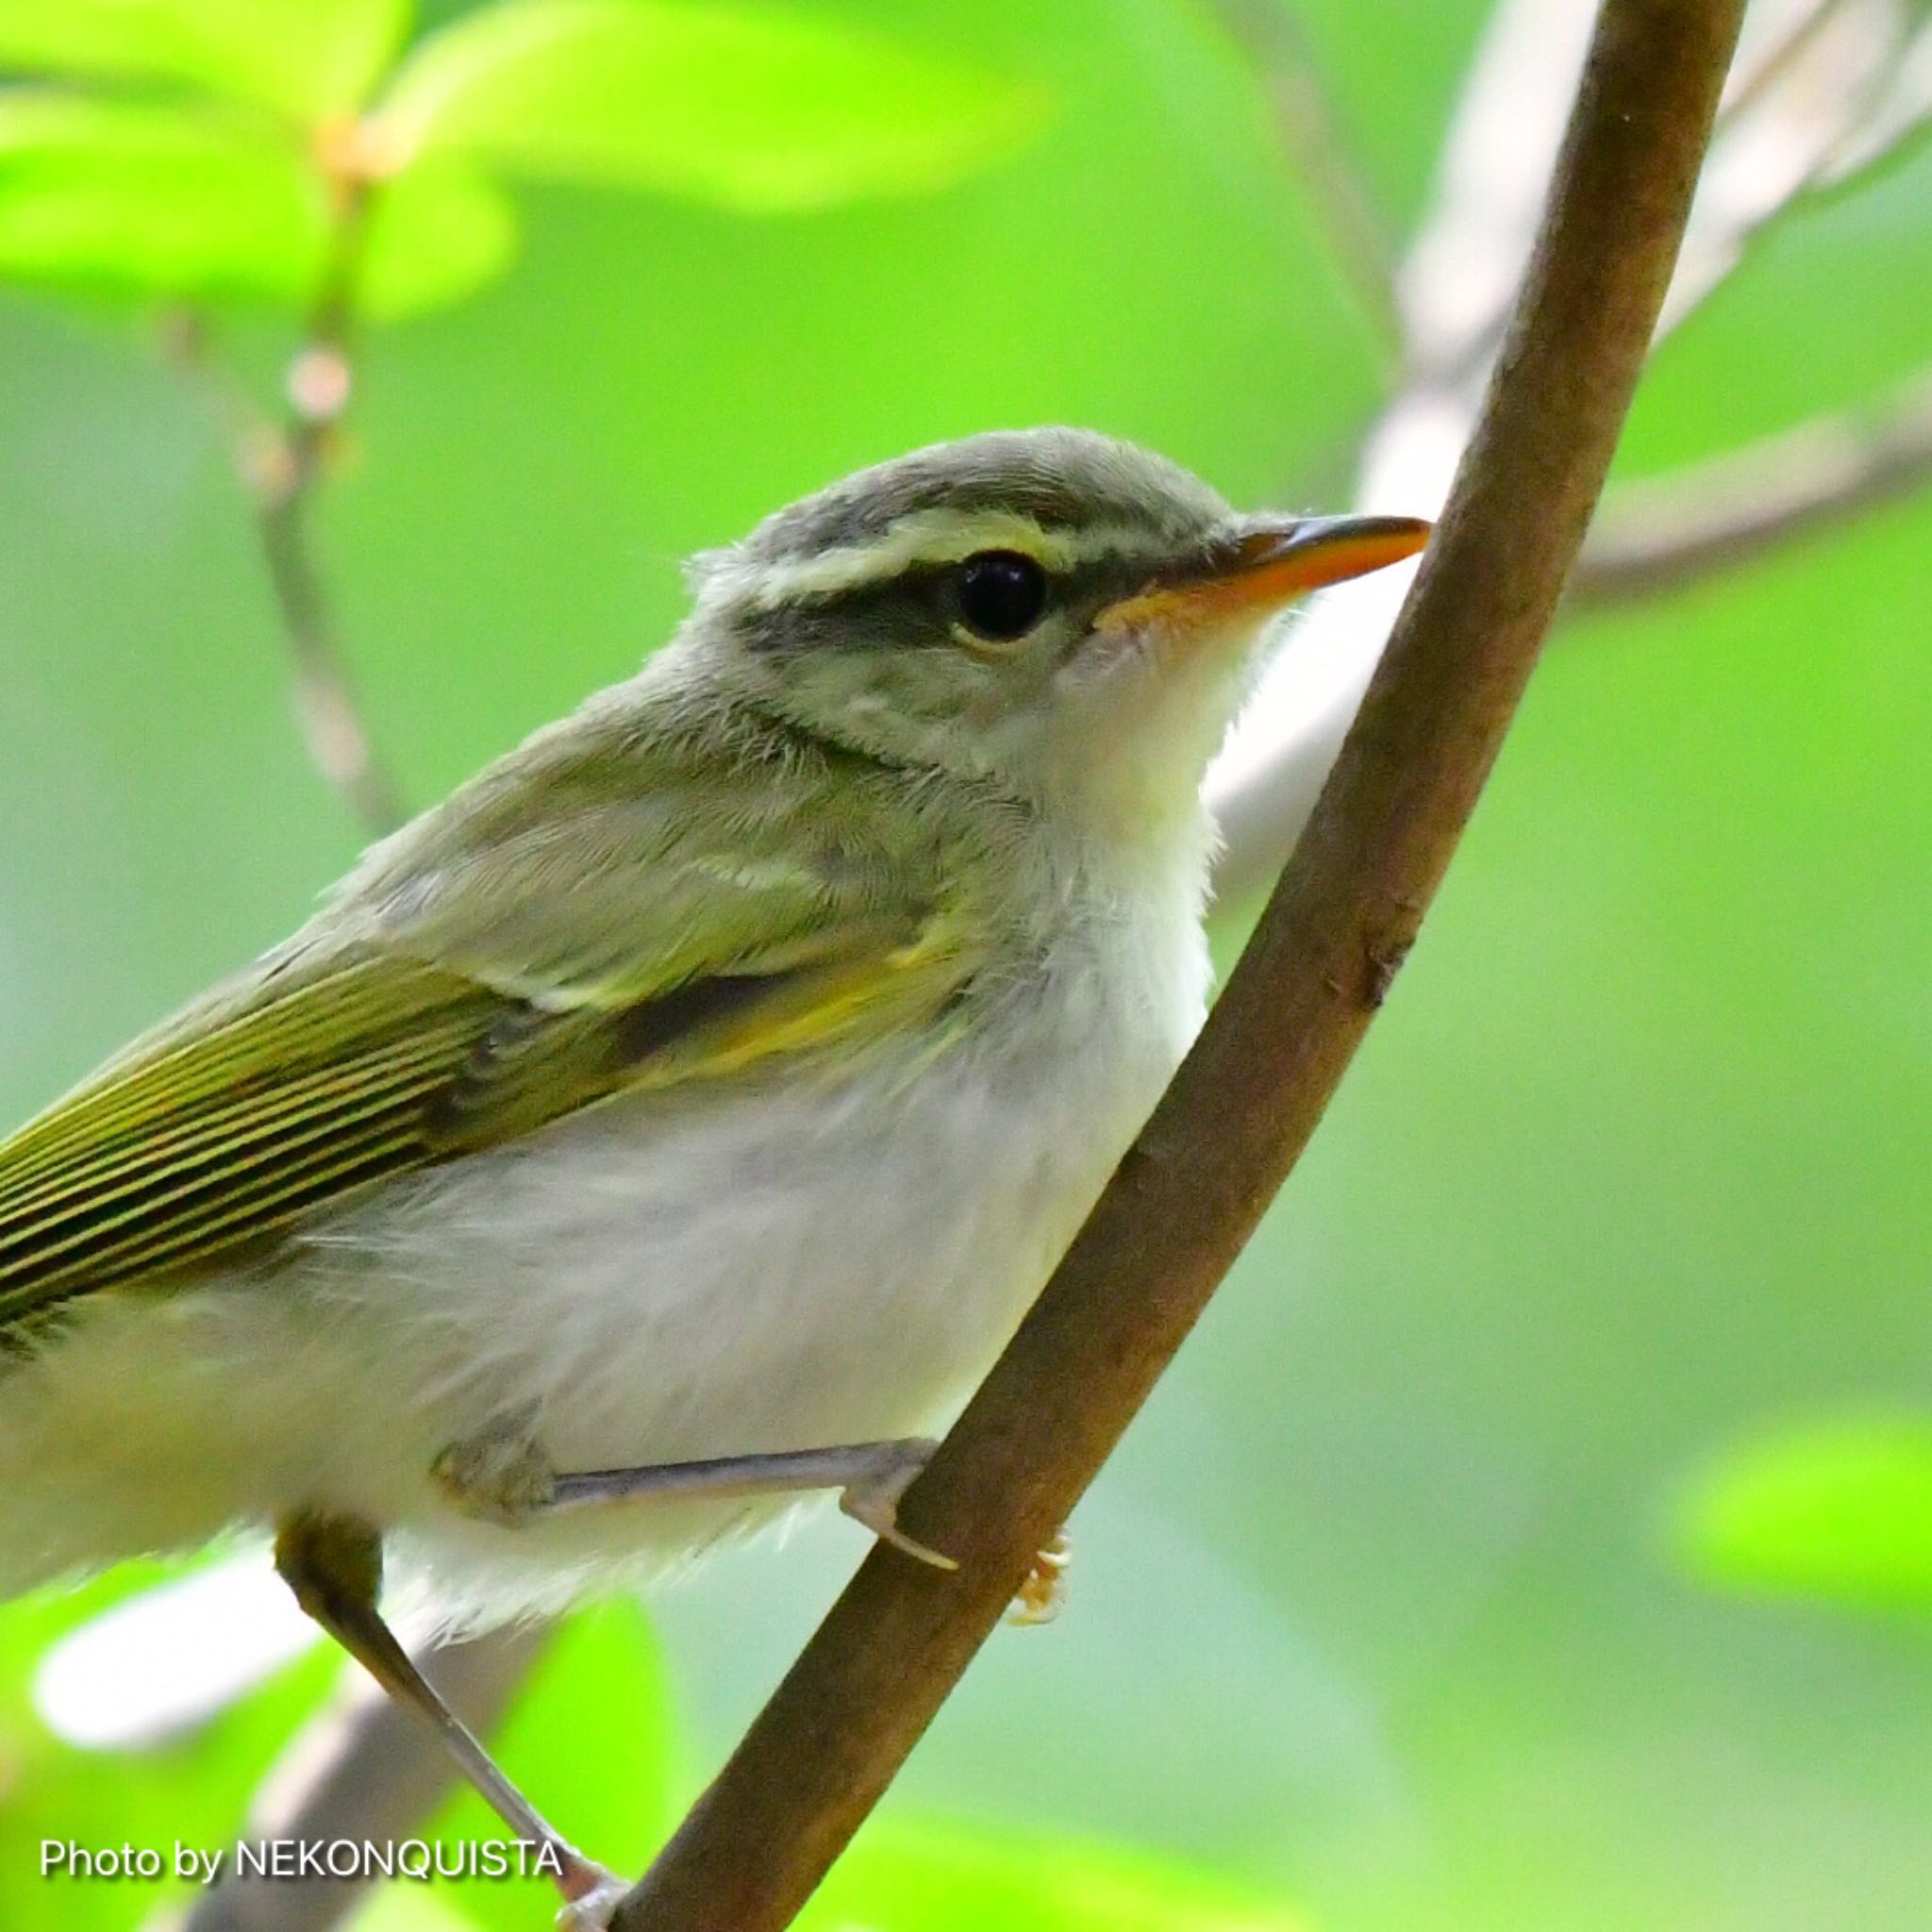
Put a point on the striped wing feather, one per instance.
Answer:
(404, 1029)
(228, 1135)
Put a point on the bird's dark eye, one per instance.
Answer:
(1000, 594)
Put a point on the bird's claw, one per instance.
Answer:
(590, 1909)
(1042, 1592)
(873, 1498)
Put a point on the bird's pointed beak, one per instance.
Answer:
(1264, 567)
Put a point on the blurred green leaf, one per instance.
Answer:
(910, 1877)
(748, 109)
(1842, 1510)
(306, 58)
(135, 199)
(125, 196)
(439, 231)
(194, 1789)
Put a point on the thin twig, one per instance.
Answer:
(1783, 121)
(1456, 285)
(1898, 118)
(1778, 138)
(1243, 1104)
(1658, 536)
(1486, 194)
(281, 460)
(1325, 160)
(1758, 70)
(320, 382)
(362, 1771)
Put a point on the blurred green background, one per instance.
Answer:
(1379, 1620)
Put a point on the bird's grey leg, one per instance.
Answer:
(333, 1566)
(502, 1475)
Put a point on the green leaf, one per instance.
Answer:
(192, 1789)
(306, 58)
(130, 199)
(1842, 1510)
(439, 231)
(903, 1876)
(755, 111)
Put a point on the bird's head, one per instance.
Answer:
(1066, 614)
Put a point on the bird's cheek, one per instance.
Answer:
(1119, 693)
(1173, 664)
(1107, 656)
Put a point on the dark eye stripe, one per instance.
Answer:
(916, 606)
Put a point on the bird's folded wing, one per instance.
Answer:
(445, 1008)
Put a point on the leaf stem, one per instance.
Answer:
(319, 384)
(282, 459)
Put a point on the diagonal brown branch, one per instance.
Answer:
(1656, 536)
(1238, 1112)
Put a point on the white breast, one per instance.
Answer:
(688, 1274)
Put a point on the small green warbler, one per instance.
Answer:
(678, 1118)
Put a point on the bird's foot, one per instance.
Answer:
(1042, 1594)
(593, 1893)
(872, 1497)
(499, 1473)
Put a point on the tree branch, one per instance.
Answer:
(1760, 67)
(1463, 266)
(1784, 123)
(1659, 534)
(1241, 1107)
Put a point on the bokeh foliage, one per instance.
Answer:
(198, 147)
(1398, 1603)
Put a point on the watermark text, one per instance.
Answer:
(294, 1858)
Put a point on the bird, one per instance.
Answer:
(674, 1122)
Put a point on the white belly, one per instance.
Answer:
(678, 1275)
